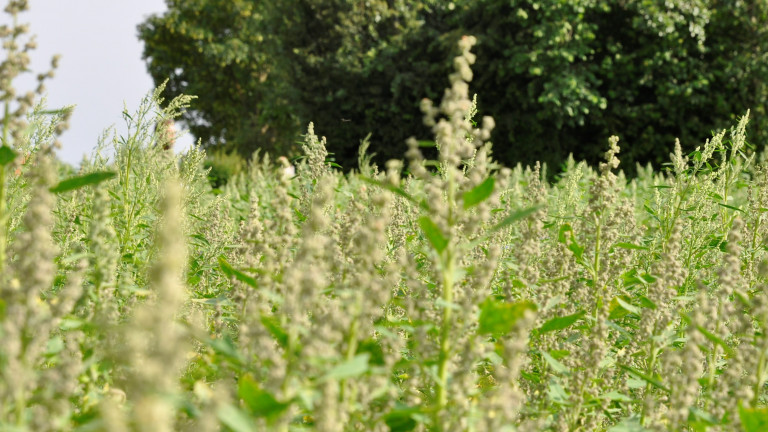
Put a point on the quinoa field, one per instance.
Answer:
(451, 294)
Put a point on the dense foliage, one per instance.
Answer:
(559, 77)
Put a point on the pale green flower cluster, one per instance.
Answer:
(429, 295)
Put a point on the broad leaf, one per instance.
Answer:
(499, 318)
(356, 366)
(235, 419)
(479, 193)
(259, 402)
(753, 419)
(401, 419)
(7, 155)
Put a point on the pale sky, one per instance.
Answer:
(100, 67)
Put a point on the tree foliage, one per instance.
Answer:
(559, 77)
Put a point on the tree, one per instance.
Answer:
(570, 74)
(214, 49)
(558, 76)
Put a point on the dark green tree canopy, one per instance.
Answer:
(558, 77)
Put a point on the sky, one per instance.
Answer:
(100, 68)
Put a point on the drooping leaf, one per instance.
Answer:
(78, 182)
(230, 271)
(716, 340)
(649, 379)
(499, 318)
(514, 217)
(628, 306)
(433, 234)
(479, 193)
(554, 364)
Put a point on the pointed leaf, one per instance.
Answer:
(554, 364)
(628, 306)
(515, 216)
(479, 193)
(650, 380)
(630, 246)
(78, 182)
(230, 271)
(560, 323)
(274, 328)
(433, 234)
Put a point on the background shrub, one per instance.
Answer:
(558, 77)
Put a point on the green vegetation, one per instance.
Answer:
(429, 294)
(559, 77)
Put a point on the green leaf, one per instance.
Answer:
(78, 182)
(433, 234)
(402, 419)
(554, 364)
(55, 346)
(567, 236)
(616, 396)
(650, 380)
(479, 193)
(629, 424)
(630, 246)
(753, 419)
(235, 419)
(499, 318)
(259, 402)
(715, 339)
(627, 306)
(514, 217)
(394, 189)
(356, 366)
(7, 155)
(274, 328)
(230, 271)
(730, 207)
(560, 323)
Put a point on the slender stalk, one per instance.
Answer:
(448, 268)
(3, 204)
